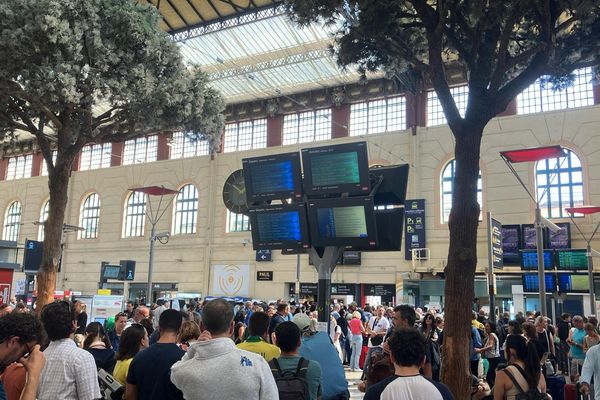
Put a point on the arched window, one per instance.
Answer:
(43, 218)
(559, 184)
(185, 211)
(12, 222)
(89, 217)
(448, 186)
(135, 215)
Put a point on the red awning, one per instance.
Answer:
(583, 210)
(533, 154)
(155, 190)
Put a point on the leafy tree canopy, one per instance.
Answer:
(96, 71)
(504, 45)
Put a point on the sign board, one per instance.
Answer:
(104, 292)
(32, 258)
(230, 280)
(263, 255)
(6, 278)
(105, 306)
(379, 290)
(496, 244)
(414, 237)
(310, 289)
(343, 289)
(264, 275)
(20, 287)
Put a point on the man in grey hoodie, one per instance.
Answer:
(216, 369)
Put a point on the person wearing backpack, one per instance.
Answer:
(296, 377)
(522, 378)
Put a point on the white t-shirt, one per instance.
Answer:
(411, 388)
(380, 326)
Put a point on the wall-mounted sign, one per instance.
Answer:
(310, 289)
(414, 235)
(379, 290)
(263, 255)
(264, 275)
(343, 289)
(496, 245)
(230, 280)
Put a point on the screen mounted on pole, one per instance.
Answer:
(342, 168)
(273, 177)
(346, 221)
(279, 227)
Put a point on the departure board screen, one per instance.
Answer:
(529, 260)
(531, 283)
(573, 283)
(529, 237)
(560, 239)
(511, 243)
(338, 222)
(572, 259)
(335, 169)
(272, 177)
(278, 227)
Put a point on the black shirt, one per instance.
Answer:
(275, 321)
(105, 358)
(374, 392)
(150, 371)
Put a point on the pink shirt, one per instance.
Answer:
(355, 324)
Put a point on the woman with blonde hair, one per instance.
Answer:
(356, 329)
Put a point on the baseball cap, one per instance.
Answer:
(303, 321)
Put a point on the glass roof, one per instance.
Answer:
(266, 58)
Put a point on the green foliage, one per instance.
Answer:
(97, 71)
(497, 42)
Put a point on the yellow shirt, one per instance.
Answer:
(256, 344)
(121, 369)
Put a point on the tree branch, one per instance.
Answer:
(500, 69)
(15, 90)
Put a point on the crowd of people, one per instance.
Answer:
(218, 350)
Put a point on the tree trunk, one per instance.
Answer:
(462, 260)
(58, 184)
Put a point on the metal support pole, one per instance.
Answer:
(491, 269)
(539, 233)
(591, 280)
(325, 266)
(297, 291)
(150, 265)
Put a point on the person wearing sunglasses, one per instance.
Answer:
(70, 372)
(19, 335)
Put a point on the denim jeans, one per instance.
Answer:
(356, 346)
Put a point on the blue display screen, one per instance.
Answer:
(529, 260)
(531, 283)
(348, 222)
(573, 283)
(279, 226)
(335, 169)
(272, 177)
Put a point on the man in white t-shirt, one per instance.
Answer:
(377, 328)
(407, 352)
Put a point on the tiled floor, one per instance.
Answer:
(353, 380)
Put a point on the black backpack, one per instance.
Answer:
(291, 385)
(531, 394)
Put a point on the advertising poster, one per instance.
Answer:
(230, 280)
(414, 238)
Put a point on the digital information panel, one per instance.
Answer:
(338, 222)
(570, 283)
(111, 271)
(531, 283)
(572, 260)
(560, 239)
(335, 169)
(279, 227)
(529, 260)
(529, 237)
(273, 177)
(511, 243)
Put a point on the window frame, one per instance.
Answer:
(450, 180)
(182, 146)
(140, 150)
(232, 220)
(43, 217)
(553, 179)
(182, 211)
(254, 131)
(95, 156)
(367, 114)
(44, 167)
(295, 126)
(434, 113)
(19, 167)
(132, 228)
(89, 215)
(12, 221)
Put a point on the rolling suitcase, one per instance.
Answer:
(363, 355)
(572, 392)
(556, 386)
